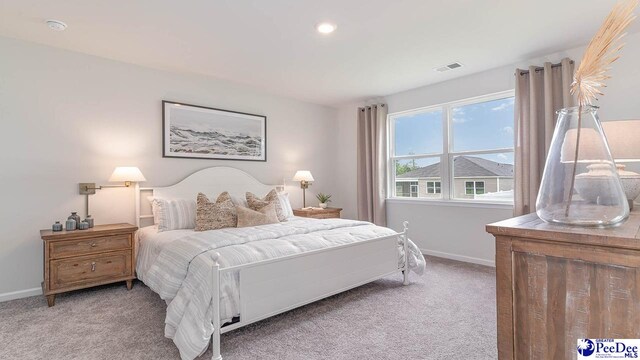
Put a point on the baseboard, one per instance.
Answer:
(457, 257)
(20, 294)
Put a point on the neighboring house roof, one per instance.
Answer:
(463, 166)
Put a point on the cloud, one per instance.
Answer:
(507, 130)
(503, 105)
(502, 156)
(458, 115)
(500, 107)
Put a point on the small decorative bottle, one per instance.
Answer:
(74, 215)
(70, 225)
(57, 226)
(89, 220)
(83, 225)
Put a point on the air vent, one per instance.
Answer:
(451, 66)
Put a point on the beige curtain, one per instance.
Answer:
(372, 159)
(540, 92)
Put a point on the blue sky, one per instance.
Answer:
(481, 126)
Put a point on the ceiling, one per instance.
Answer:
(380, 46)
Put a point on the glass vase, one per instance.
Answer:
(580, 185)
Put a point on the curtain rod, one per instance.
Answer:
(370, 106)
(540, 68)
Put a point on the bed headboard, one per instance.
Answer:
(210, 181)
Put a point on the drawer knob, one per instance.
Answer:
(93, 244)
(93, 266)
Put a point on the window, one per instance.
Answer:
(407, 188)
(414, 189)
(433, 187)
(456, 151)
(474, 187)
(411, 174)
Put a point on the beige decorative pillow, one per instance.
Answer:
(255, 203)
(218, 215)
(264, 216)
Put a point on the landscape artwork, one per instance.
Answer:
(198, 132)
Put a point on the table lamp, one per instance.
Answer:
(598, 183)
(624, 141)
(126, 174)
(305, 178)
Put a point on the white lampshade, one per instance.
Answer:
(303, 175)
(591, 150)
(624, 139)
(127, 174)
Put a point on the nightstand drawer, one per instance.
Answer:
(73, 272)
(317, 213)
(62, 249)
(327, 215)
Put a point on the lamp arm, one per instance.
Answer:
(90, 188)
(126, 184)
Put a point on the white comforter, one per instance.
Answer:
(177, 266)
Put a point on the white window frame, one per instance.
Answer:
(434, 182)
(475, 186)
(446, 156)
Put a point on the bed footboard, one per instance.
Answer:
(215, 285)
(271, 287)
(405, 244)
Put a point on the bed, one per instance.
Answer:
(217, 281)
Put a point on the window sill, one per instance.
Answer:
(454, 203)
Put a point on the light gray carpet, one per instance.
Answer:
(445, 314)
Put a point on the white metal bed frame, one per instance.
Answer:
(274, 286)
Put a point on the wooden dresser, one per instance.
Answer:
(84, 258)
(318, 213)
(558, 284)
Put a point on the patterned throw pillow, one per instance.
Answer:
(218, 215)
(255, 203)
(266, 215)
(286, 205)
(174, 214)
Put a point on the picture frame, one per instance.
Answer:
(199, 132)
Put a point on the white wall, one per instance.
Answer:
(69, 118)
(347, 160)
(458, 232)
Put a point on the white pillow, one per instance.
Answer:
(174, 214)
(285, 204)
(239, 201)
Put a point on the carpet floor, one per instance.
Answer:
(442, 315)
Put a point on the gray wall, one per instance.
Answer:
(68, 118)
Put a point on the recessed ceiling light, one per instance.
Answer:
(56, 25)
(326, 28)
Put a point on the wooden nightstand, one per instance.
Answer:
(84, 258)
(317, 213)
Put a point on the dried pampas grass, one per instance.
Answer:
(591, 75)
(601, 52)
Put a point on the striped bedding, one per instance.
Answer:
(177, 266)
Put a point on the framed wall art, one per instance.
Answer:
(198, 132)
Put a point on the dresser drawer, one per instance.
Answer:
(67, 248)
(85, 270)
